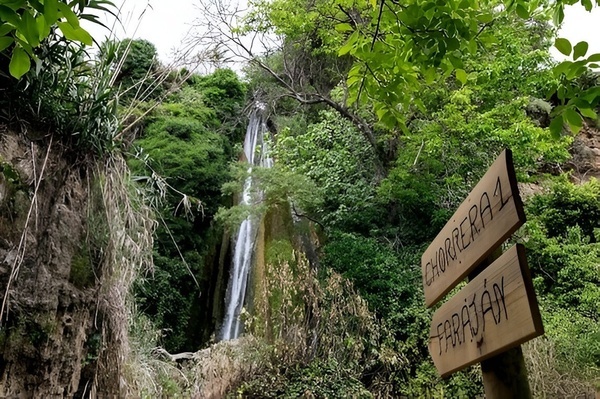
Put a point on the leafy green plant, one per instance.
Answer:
(28, 23)
(568, 205)
(319, 379)
(338, 161)
(391, 284)
(137, 68)
(66, 92)
(321, 334)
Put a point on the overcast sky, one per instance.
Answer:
(166, 22)
(162, 22)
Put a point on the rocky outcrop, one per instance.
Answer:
(47, 310)
(585, 162)
(65, 271)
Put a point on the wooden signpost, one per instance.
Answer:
(496, 311)
(490, 214)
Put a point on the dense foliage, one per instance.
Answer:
(384, 115)
(28, 26)
(66, 91)
(189, 140)
(384, 119)
(561, 237)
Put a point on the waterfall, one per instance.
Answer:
(256, 152)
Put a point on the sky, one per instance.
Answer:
(580, 25)
(162, 22)
(166, 22)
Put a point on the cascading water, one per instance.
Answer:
(256, 151)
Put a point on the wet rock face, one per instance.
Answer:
(47, 345)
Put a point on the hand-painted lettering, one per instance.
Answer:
(455, 236)
(448, 333)
(463, 326)
(440, 336)
(449, 246)
(498, 191)
(442, 260)
(472, 220)
(486, 306)
(462, 234)
(499, 293)
(428, 279)
(456, 328)
(465, 233)
(484, 204)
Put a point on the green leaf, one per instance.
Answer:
(43, 27)
(37, 5)
(563, 45)
(344, 27)
(485, 18)
(452, 44)
(559, 15)
(580, 49)
(587, 4)
(575, 70)
(68, 14)
(561, 68)
(78, 34)
(588, 113)
(9, 15)
(456, 62)
(556, 126)
(461, 76)
(51, 11)
(574, 120)
(430, 74)
(591, 94)
(346, 48)
(522, 11)
(31, 32)
(594, 58)
(15, 4)
(473, 46)
(5, 29)
(19, 63)
(5, 42)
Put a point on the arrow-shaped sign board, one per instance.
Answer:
(494, 312)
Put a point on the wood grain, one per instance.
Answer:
(496, 311)
(488, 216)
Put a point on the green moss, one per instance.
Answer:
(12, 185)
(35, 331)
(279, 251)
(9, 173)
(92, 346)
(82, 271)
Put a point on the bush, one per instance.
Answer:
(320, 379)
(390, 281)
(569, 205)
(562, 249)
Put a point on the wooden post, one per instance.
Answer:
(504, 375)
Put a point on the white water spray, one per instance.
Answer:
(256, 151)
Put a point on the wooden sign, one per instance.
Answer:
(488, 216)
(496, 311)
